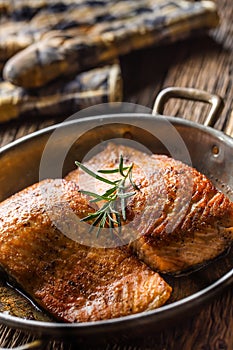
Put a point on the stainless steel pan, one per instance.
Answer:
(209, 150)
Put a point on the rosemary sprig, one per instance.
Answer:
(108, 216)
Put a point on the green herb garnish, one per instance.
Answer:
(110, 214)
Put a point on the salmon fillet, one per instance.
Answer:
(72, 281)
(180, 220)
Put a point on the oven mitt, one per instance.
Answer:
(100, 85)
(44, 40)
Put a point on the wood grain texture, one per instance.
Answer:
(203, 62)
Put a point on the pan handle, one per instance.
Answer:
(192, 94)
(37, 344)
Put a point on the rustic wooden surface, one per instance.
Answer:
(203, 62)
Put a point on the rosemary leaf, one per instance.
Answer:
(132, 182)
(126, 195)
(110, 191)
(112, 209)
(107, 216)
(110, 171)
(95, 223)
(91, 173)
(111, 219)
(102, 223)
(92, 194)
(90, 217)
(121, 167)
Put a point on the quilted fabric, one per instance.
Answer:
(43, 40)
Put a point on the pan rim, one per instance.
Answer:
(174, 120)
(185, 304)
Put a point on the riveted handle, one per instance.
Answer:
(191, 94)
(37, 344)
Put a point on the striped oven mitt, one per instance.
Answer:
(45, 45)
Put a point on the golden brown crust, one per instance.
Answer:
(179, 218)
(74, 282)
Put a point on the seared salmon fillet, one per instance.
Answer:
(179, 218)
(72, 281)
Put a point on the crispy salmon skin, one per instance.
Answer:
(180, 219)
(72, 281)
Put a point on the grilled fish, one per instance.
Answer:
(99, 85)
(72, 281)
(180, 219)
(95, 32)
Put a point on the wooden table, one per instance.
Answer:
(203, 62)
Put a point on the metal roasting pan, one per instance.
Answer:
(210, 151)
